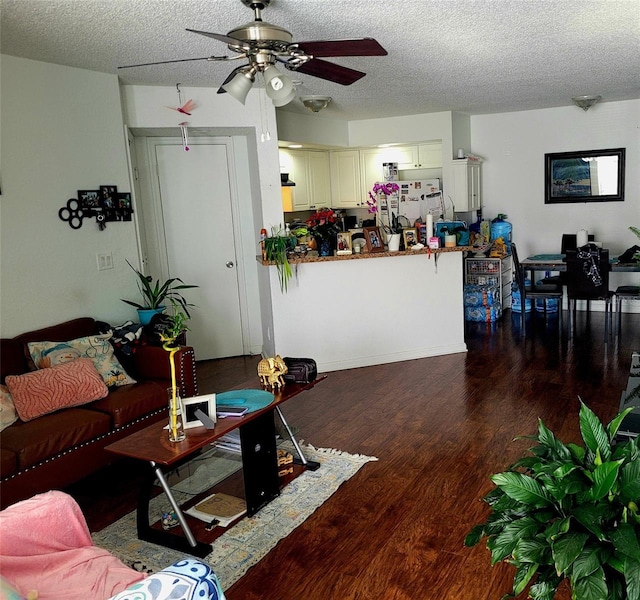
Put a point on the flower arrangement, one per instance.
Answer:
(323, 224)
(380, 188)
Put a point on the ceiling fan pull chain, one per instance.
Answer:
(265, 136)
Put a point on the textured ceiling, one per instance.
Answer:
(474, 56)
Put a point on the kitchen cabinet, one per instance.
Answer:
(310, 171)
(466, 185)
(346, 187)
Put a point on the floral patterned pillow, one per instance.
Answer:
(8, 414)
(95, 347)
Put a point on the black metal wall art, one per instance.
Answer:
(105, 205)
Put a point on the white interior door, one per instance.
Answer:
(195, 196)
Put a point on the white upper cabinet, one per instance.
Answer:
(467, 185)
(346, 189)
(310, 171)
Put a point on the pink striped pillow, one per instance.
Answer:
(47, 390)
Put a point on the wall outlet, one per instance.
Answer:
(105, 261)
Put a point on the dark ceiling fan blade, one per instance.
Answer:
(166, 62)
(221, 38)
(353, 47)
(330, 71)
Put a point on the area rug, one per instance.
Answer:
(247, 542)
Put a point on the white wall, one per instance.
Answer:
(514, 145)
(61, 131)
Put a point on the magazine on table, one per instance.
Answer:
(221, 507)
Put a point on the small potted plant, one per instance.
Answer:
(569, 512)
(155, 294)
(276, 250)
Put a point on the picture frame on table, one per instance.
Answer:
(206, 403)
(344, 244)
(584, 176)
(410, 237)
(373, 238)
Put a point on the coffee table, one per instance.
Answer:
(259, 463)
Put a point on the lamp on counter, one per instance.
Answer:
(315, 103)
(586, 102)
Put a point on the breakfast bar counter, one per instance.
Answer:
(365, 309)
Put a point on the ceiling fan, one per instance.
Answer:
(263, 44)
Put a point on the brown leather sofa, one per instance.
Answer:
(57, 449)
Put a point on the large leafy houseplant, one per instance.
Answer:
(156, 293)
(569, 512)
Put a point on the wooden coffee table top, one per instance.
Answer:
(152, 443)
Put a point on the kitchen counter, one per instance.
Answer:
(350, 311)
(367, 255)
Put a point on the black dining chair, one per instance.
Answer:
(569, 242)
(544, 291)
(588, 279)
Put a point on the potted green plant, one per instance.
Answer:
(276, 248)
(569, 512)
(156, 293)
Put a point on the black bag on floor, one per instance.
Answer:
(301, 370)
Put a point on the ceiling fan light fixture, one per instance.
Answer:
(315, 103)
(279, 86)
(240, 84)
(586, 102)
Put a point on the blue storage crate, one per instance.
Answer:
(481, 295)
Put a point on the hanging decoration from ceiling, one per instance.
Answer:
(263, 45)
(185, 109)
(105, 204)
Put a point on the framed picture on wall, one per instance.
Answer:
(584, 176)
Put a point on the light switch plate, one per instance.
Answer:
(105, 261)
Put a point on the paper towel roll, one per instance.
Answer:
(429, 227)
(582, 238)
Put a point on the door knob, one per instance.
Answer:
(230, 265)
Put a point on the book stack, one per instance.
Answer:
(222, 508)
(230, 442)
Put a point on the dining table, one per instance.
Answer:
(557, 263)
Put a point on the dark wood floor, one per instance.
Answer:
(440, 426)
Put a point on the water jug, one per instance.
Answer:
(503, 229)
(516, 305)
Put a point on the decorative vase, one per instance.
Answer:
(176, 423)
(146, 314)
(393, 241)
(325, 246)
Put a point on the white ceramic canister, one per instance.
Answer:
(582, 238)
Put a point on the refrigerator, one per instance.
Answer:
(415, 199)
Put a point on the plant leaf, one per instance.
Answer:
(523, 576)
(474, 536)
(626, 542)
(613, 427)
(593, 432)
(604, 478)
(546, 438)
(587, 562)
(522, 488)
(632, 578)
(630, 482)
(566, 549)
(592, 587)
(532, 551)
(504, 543)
